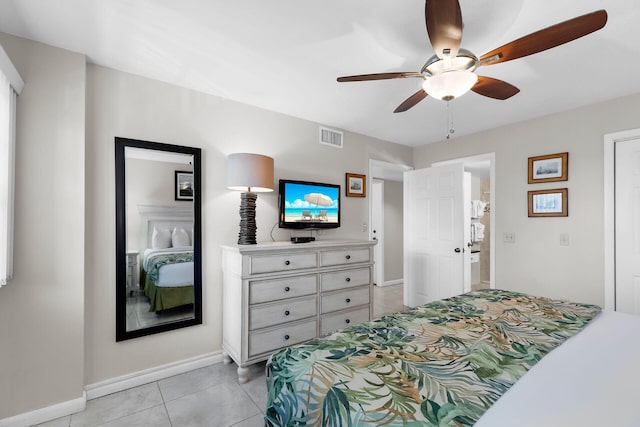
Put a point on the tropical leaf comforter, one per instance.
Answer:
(441, 364)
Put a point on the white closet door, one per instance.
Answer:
(627, 220)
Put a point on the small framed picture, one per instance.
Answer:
(356, 185)
(549, 202)
(184, 185)
(552, 167)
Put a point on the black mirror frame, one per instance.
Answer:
(121, 239)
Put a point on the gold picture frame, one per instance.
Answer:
(543, 203)
(356, 185)
(549, 168)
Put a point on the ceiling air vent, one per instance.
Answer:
(331, 137)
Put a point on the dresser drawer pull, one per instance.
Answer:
(348, 300)
(348, 279)
(287, 262)
(287, 289)
(348, 321)
(286, 337)
(348, 257)
(286, 312)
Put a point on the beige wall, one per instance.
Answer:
(536, 263)
(42, 308)
(393, 231)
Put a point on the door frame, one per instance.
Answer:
(378, 251)
(379, 169)
(610, 141)
(491, 157)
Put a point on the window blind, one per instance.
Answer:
(10, 85)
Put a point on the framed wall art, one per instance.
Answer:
(184, 185)
(549, 202)
(552, 167)
(356, 185)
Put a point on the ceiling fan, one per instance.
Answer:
(450, 73)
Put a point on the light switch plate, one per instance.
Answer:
(564, 239)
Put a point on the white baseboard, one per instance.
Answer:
(109, 386)
(46, 414)
(390, 283)
(146, 376)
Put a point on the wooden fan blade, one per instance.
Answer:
(444, 25)
(549, 37)
(411, 101)
(378, 76)
(494, 88)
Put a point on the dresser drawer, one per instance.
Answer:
(333, 322)
(345, 279)
(344, 256)
(276, 289)
(287, 262)
(284, 336)
(286, 311)
(335, 301)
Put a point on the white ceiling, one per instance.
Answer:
(285, 55)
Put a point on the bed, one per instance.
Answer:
(167, 271)
(488, 358)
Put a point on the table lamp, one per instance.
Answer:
(251, 174)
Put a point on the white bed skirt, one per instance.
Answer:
(175, 275)
(590, 380)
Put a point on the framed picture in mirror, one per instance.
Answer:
(184, 185)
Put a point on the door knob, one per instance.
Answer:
(457, 250)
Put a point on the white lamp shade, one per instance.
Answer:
(450, 84)
(249, 172)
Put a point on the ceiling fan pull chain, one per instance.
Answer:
(450, 129)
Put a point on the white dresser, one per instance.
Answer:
(279, 294)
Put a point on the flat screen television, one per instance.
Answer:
(308, 205)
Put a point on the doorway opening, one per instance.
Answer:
(386, 227)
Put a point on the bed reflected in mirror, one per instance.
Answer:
(158, 245)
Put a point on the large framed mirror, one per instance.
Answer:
(158, 237)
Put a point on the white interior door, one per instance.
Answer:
(436, 229)
(627, 226)
(377, 229)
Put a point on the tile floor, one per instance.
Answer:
(209, 396)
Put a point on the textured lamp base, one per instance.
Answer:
(247, 235)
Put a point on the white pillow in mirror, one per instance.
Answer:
(180, 237)
(161, 238)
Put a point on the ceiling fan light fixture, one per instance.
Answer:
(450, 84)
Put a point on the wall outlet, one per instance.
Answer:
(364, 227)
(509, 237)
(564, 239)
